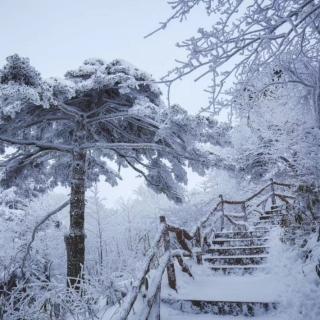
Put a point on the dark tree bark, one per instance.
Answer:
(75, 240)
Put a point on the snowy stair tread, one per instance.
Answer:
(224, 242)
(237, 269)
(220, 295)
(241, 234)
(238, 250)
(234, 308)
(236, 260)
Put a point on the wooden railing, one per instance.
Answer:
(160, 259)
(146, 293)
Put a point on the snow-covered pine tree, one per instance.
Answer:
(70, 131)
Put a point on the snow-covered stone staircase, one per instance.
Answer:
(238, 252)
(231, 281)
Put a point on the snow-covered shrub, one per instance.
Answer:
(293, 263)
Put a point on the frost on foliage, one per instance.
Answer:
(96, 74)
(294, 266)
(277, 132)
(12, 217)
(13, 97)
(18, 70)
(161, 180)
(20, 85)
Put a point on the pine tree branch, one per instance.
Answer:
(42, 145)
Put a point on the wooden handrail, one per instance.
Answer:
(132, 296)
(240, 202)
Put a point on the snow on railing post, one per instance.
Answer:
(198, 245)
(170, 267)
(154, 313)
(222, 210)
(273, 196)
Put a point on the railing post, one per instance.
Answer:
(244, 210)
(273, 197)
(222, 210)
(198, 245)
(170, 267)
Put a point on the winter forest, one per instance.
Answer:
(160, 160)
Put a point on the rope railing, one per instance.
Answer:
(191, 245)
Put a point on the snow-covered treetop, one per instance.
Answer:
(19, 70)
(95, 74)
(112, 111)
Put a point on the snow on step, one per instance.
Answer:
(241, 250)
(220, 294)
(263, 223)
(204, 286)
(168, 313)
(236, 260)
(227, 242)
(241, 234)
(271, 217)
(237, 269)
(221, 308)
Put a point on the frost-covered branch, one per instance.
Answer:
(245, 36)
(40, 144)
(36, 228)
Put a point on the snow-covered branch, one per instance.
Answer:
(39, 144)
(35, 230)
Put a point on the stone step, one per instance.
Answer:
(238, 269)
(271, 217)
(263, 227)
(234, 308)
(244, 250)
(263, 223)
(236, 260)
(241, 234)
(273, 212)
(224, 242)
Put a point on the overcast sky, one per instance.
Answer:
(58, 35)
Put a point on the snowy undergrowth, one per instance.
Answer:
(294, 267)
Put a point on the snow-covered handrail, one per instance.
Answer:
(165, 262)
(131, 298)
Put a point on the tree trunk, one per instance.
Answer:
(317, 97)
(75, 240)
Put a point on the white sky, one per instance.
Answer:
(57, 35)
